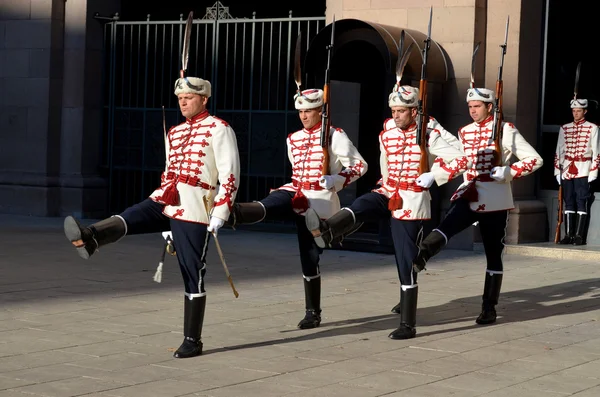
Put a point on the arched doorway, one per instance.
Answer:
(363, 72)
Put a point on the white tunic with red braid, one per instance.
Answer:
(577, 150)
(202, 162)
(489, 194)
(306, 156)
(399, 161)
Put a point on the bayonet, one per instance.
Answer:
(429, 27)
(500, 88)
(498, 108)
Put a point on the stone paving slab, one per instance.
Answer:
(103, 328)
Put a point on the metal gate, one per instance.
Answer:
(249, 63)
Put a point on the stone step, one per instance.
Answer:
(550, 250)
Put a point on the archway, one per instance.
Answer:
(363, 73)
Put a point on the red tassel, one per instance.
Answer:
(300, 202)
(171, 195)
(573, 169)
(395, 202)
(471, 194)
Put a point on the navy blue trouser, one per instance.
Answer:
(576, 193)
(189, 239)
(492, 226)
(406, 235)
(278, 206)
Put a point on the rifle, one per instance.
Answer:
(498, 114)
(325, 118)
(560, 211)
(422, 116)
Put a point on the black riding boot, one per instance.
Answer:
(334, 228)
(246, 214)
(570, 219)
(312, 297)
(408, 317)
(580, 229)
(193, 317)
(94, 236)
(491, 293)
(429, 247)
(398, 308)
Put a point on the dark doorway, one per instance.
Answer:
(372, 77)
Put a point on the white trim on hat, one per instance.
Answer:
(192, 85)
(481, 94)
(404, 96)
(308, 99)
(579, 103)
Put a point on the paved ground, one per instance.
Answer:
(102, 327)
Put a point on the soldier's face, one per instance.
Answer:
(479, 110)
(191, 104)
(309, 117)
(579, 114)
(403, 116)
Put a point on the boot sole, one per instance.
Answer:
(402, 336)
(485, 322)
(308, 325)
(73, 233)
(313, 224)
(189, 354)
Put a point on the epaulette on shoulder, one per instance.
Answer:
(386, 126)
(225, 123)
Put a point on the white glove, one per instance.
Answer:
(559, 179)
(215, 224)
(591, 179)
(425, 180)
(167, 236)
(500, 173)
(327, 182)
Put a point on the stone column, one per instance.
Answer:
(31, 45)
(50, 68)
(83, 192)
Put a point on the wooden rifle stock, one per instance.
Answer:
(325, 116)
(325, 127)
(423, 120)
(423, 117)
(498, 119)
(559, 216)
(498, 110)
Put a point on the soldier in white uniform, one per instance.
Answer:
(446, 135)
(309, 188)
(575, 167)
(486, 195)
(202, 166)
(403, 195)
